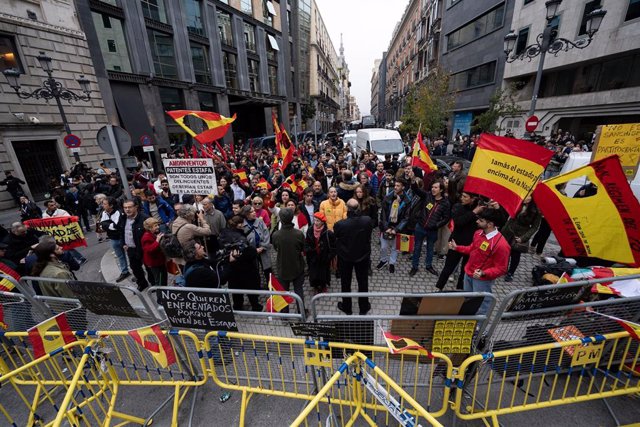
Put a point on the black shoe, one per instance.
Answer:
(413, 271)
(508, 277)
(122, 276)
(392, 268)
(432, 271)
(381, 264)
(365, 310)
(341, 308)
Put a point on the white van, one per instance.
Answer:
(349, 141)
(382, 141)
(582, 158)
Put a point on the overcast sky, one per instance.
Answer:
(366, 27)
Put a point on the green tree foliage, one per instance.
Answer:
(501, 104)
(308, 111)
(429, 103)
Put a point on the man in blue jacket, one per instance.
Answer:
(158, 208)
(395, 210)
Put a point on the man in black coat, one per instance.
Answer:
(131, 237)
(13, 185)
(19, 242)
(353, 236)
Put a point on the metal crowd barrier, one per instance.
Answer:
(547, 375)
(298, 368)
(344, 398)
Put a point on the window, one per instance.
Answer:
(273, 48)
(193, 12)
(245, 6)
(154, 9)
(477, 28)
(266, 13)
(207, 101)
(230, 70)
(113, 43)
(171, 99)
(521, 43)
(9, 54)
(588, 8)
(473, 77)
(164, 59)
(526, 2)
(254, 82)
(224, 28)
(250, 37)
(200, 60)
(633, 11)
(555, 27)
(106, 22)
(273, 80)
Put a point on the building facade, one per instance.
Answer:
(581, 88)
(472, 53)
(382, 85)
(375, 89)
(232, 57)
(32, 130)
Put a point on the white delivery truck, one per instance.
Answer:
(382, 141)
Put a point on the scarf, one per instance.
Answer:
(317, 229)
(255, 231)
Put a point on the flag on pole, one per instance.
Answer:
(7, 285)
(43, 343)
(405, 242)
(605, 225)
(263, 183)
(296, 185)
(217, 124)
(220, 148)
(399, 345)
(242, 174)
(152, 339)
(631, 327)
(284, 148)
(194, 152)
(420, 156)
(277, 303)
(506, 170)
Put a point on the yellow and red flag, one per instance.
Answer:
(43, 343)
(296, 185)
(263, 183)
(159, 346)
(284, 147)
(7, 285)
(420, 156)
(605, 225)
(506, 170)
(277, 303)
(399, 345)
(217, 124)
(65, 230)
(405, 242)
(631, 327)
(242, 174)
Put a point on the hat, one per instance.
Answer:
(286, 216)
(320, 216)
(46, 246)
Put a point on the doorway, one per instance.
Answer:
(39, 162)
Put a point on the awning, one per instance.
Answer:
(273, 42)
(271, 9)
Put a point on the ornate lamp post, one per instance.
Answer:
(51, 89)
(545, 44)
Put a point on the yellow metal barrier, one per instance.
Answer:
(547, 375)
(343, 402)
(297, 368)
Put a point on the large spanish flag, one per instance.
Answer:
(277, 303)
(506, 170)
(420, 156)
(217, 124)
(152, 339)
(43, 343)
(605, 225)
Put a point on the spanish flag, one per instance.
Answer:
(43, 343)
(277, 303)
(7, 285)
(217, 124)
(296, 185)
(605, 225)
(608, 287)
(284, 146)
(404, 242)
(263, 183)
(159, 346)
(506, 170)
(632, 328)
(420, 156)
(242, 174)
(399, 345)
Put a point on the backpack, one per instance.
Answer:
(181, 280)
(170, 244)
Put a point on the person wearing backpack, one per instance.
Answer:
(184, 229)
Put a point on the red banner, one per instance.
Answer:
(64, 229)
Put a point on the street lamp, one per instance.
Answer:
(545, 44)
(51, 89)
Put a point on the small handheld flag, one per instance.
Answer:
(277, 303)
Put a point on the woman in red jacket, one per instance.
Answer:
(152, 256)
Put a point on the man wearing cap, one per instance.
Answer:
(289, 245)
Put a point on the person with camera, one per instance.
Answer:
(243, 262)
(395, 209)
(200, 271)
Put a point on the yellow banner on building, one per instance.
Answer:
(623, 140)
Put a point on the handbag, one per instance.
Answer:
(519, 247)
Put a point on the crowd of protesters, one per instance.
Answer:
(308, 223)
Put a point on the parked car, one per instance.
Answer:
(450, 159)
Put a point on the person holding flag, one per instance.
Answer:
(289, 245)
(393, 219)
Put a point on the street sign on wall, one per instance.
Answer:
(531, 124)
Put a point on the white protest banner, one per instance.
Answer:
(191, 176)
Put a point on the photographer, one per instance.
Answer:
(243, 263)
(200, 271)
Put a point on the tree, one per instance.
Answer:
(428, 104)
(308, 111)
(501, 104)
